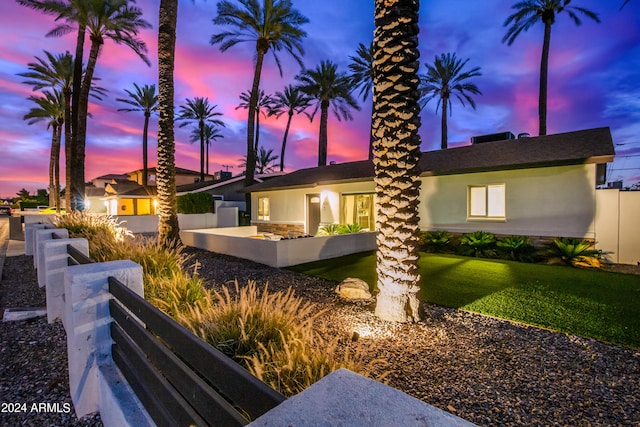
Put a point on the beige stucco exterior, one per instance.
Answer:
(550, 201)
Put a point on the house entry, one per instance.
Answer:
(313, 213)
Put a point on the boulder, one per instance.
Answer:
(353, 289)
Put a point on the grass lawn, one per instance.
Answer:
(587, 303)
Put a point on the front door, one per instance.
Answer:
(313, 213)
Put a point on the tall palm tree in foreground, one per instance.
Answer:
(270, 24)
(291, 101)
(50, 107)
(210, 134)
(263, 106)
(530, 12)
(199, 110)
(332, 90)
(168, 228)
(444, 78)
(142, 99)
(361, 67)
(396, 158)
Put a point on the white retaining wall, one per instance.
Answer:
(283, 253)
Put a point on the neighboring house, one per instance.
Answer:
(538, 186)
(230, 189)
(183, 176)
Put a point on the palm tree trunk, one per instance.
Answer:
(257, 143)
(52, 161)
(371, 137)
(251, 120)
(544, 70)
(201, 126)
(145, 156)
(396, 158)
(207, 155)
(56, 166)
(322, 138)
(284, 140)
(168, 230)
(68, 142)
(80, 136)
(69, 138)
(444, 134)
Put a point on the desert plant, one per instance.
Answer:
(575, 252)
(478, 243)
(436, 240)
(329, 230)
(349, 228)
(517, 248)
(176, 293)
(103, 232)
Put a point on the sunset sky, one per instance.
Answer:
(594, 81)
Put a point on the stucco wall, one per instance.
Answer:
(551, 201)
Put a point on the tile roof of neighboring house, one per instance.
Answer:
(128, 188)
(180, 171)
(112, 176)
(93, 191)
(571, 148)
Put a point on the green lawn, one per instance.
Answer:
(587, 303)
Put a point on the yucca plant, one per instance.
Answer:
(329, 230)
(575, 252)
(436, 240)
(349, 228)
(478, 243)
(517, 248)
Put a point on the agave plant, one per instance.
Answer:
(517, 248)
(575, 252)
(436, 240)
(478, 243)
(329, 230)
(349, 228)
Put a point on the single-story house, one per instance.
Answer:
(537, 186)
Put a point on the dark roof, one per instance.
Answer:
(571, 148)
(179, 170)
(209, 185)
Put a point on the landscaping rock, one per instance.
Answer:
(353, 289)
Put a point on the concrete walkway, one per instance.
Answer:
(8, 247)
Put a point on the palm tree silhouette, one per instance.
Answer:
(361, 67)
(50, 107)
(143, 99)
(291, 101)
(263, 106)
(210, 134)
(272, 25)
(199, 110)
(530, 12)
(444, 78)
(331, 89)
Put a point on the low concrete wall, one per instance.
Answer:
(617, 226)
(282, 253)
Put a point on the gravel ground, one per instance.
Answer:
(488, 371)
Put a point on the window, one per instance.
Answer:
(263, 208)
(487, 201)
(359, 209)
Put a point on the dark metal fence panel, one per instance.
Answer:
(231, 380)
(76, 257)
(209, 405)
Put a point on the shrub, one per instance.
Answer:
(329, 230)
(478, 243)
(176, 293)
(194, 203)
(349, 228)
(575, 252)
(103, 232)
(517, 248)
(436, 240)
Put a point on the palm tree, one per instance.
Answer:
(396, 123)
(143, 99)
(331, 89)
(50, 107)
(361, 67)
(272, 25)
(527, 14)
(210, 134)
(168, 227)
(200, 111)
(264, 160)
(446, 78)
(263, 106)
(290, 101)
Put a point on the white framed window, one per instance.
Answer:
(359, 209)
(487, 201)
(263, 208)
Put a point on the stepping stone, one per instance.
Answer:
(23, 313)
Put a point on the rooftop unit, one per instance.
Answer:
(501, 136)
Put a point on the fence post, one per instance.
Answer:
(41, 236)
(88, 336)
(54, 253)
(29, 231)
